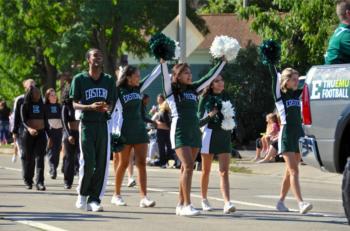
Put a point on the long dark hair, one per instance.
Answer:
(177, 70)
(28, 97)
(123, 77)
(209, 90)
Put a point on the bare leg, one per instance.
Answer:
(131, 164)
(141, 155)
(270, 154)
(264, 143)
(206, 167)
(285, 185)
(115, 162)
(257, 154)
(292, 161)
(187, 157)
(224, 165)
(123, 162)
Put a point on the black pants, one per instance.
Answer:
(33, 156)
(71, 151)
(53, 153)
(164, 146)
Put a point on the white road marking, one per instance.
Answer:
(307, 199)
(35, 224)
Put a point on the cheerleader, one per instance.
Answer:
(216, 141)
(181, 95)
(287, 98)
(70, 139)
(34, 120)
(53, 110)
(127, 121)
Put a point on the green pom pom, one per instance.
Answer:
(270, 52)
(162, 47)
(117, 143)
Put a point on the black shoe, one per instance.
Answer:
(54, 175)
(29, 186)
(67, 186)
(40, 187)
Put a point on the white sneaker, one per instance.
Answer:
(206, 206)
(178, 209)
(188, 211)
(304, 207)
(14, 158)
(81, 202)
(131, 182)
(229, 207)
(145, 203)
(118, 200)
(94, 206)
(281, 207)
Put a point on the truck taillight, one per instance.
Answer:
(307, 120)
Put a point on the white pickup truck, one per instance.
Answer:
(326, 119)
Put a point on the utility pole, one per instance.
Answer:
(245, 3)
(182, 30)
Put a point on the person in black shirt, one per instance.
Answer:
(4, 122)
(163, 134)
(70, 139)
(17, 128)
(53, 111)
(36, 129)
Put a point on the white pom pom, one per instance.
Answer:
(177, 50)
(225, 46)
(228, 112)
(228, 124)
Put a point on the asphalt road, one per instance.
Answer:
(253, 194)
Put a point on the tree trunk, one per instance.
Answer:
(51, 74)
(109, 47)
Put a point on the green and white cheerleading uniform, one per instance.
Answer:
(127, 120)
(94, 134)
(289, 108)
(215, 140)
(184, 129)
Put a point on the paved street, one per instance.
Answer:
(253, 194)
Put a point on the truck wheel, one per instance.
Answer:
(346, 190)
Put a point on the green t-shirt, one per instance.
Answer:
(87, 91)
(338, 50)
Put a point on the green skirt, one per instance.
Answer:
(134, 132)
(216, 141)
(185, 134)
(288, 140)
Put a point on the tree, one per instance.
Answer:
(302, 27)
(217, 6)
(248, 81)
(50, 36)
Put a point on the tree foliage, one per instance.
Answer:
(248, 81)
(302, 27)
(41, 38)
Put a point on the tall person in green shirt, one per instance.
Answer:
(93, 93)
(338, 50)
